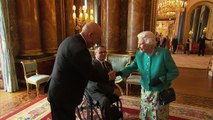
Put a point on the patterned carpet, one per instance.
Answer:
(178, 110)
(35, 110)
(40, 110)
(193, 100)
(10, 102)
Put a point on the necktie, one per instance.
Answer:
(104, 65)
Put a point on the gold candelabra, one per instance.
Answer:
(204, 30)
(83, 17)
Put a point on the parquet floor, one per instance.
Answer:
(193, 87)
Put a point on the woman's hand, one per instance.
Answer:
(155, 82)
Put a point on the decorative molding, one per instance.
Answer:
(47, 58)
(31, 52)
(50, 50)
(112, 51)
(131, 52)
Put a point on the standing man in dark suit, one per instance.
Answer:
(104, 92)
(202, 44)
(72, 70)
(174, 44)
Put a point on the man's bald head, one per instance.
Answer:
(91, 33)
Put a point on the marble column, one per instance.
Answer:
(123, 25)
(48, 26)
(61, 21)
(153, 15)
(70, 27)
(110, 25)
(135, 25)
(28, 27)
(150, 15)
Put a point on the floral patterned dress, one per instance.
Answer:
(150, 107)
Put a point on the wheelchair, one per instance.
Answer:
(89, 109)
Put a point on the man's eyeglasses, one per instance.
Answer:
(102, 52)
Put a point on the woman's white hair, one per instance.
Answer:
(148, 37)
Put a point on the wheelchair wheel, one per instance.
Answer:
(82, 110)
(118, 111)
(88, 110)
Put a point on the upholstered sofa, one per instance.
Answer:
(194, 48)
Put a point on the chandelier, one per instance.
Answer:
(83, 17)
(169, 8)
(161, 27)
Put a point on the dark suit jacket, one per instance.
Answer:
(201, 41)
(99, 89)
(174, 41)
(72, 70)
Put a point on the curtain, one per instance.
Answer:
(181, 26)
(7, 59)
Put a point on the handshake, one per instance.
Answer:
(112, 74)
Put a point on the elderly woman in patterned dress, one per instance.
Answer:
(157, 69)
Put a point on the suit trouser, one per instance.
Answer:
(174, 48)
(201, 51)
(105, 104)
(61, 111)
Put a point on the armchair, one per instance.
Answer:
(118, 62)
(133, 79)
(180, 48)
(194, 48)
(31, 75)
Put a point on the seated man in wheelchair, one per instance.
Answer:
(105, 93)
